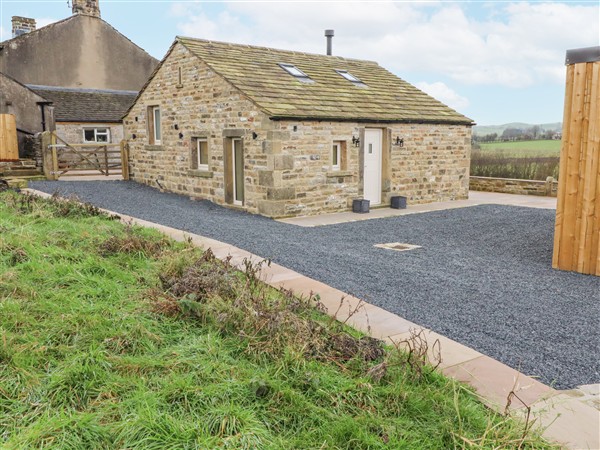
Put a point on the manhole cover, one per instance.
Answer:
(397, 246)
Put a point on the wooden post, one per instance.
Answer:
(577, 229)
(124, 160)
(106, 159)
(47, 155)
(54, 157)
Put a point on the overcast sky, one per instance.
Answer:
(496, 62)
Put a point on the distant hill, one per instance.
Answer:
(482, 130)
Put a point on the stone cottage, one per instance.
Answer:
(284, 133)
(88, 70)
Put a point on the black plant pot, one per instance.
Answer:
(398, 202)
(360, 205)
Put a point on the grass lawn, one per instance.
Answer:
(523, 148)
(112, 337)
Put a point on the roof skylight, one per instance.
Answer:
(348, 76)
(295, 72)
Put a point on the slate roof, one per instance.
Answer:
(256, 72)
(86, 105)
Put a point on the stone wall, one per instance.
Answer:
(92, 55)
(288, 169)
(72, 133)
(547, 188)
(200, 104)
(432, 165)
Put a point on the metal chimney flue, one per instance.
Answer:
(329, 36)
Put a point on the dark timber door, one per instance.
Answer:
(237, 158)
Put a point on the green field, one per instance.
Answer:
(523, 148)
(113, 337)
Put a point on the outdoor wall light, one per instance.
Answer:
(254, 135)
(355, 141)
(399, 141)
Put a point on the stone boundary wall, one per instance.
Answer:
(546, 188)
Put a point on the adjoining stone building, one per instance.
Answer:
(285, 133)
(88, 115)
(33, 112)
(78, 62)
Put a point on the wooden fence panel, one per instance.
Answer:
(9, 150)
(577, 229)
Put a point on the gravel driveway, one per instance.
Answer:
(483, 276)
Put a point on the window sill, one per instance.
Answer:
(200, 173)
(153, 148)
(338, 173)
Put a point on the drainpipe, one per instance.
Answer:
(42, 106)
(329, 36)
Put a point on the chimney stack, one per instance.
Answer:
(329, 36)
(22, 25)
(86, 7)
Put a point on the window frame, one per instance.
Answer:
(336, 163)
(296, 72)
(154, 138)
(96, 134)
(197, 154)
(351, 78)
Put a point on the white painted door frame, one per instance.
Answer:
(372, 165)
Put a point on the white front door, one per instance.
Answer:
(372, 167)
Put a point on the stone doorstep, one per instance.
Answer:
(564, 417)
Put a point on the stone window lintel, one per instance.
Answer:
(234, 132)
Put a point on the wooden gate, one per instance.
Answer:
(9, 150)
(87, 159)
(577, 231)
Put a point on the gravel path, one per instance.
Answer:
(482, 278)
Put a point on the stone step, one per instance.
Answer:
(20, 172)
(19, 163)
(22, 182)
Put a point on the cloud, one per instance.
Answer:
(444, 94)
(43, 21)
(504, 44)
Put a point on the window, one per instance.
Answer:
(336, 156)
(295, 72)
(96, 135)
(154, 131)
(200, 154)
(348, 76)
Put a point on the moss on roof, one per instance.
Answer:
(256, 72)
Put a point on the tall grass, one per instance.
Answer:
(113, 337)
